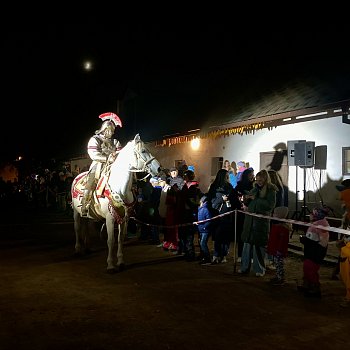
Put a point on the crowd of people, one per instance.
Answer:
(179, 203)
(172, 212)
(185, 214)
(42, 190)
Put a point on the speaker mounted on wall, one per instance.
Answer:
(321, 157)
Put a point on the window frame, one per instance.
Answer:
(346, 160)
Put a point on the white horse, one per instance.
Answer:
(112, 199)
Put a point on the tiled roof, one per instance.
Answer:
(297, 95)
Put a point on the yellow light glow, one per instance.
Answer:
(195, 143)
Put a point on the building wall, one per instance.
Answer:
(79, 165)
(9, 173)
(319, 185)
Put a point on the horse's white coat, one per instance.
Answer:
(133, 158)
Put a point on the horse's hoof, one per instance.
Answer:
(121, 267)
(112, 271)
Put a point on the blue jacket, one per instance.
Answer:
(204, 214)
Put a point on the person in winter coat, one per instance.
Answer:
(315, 243)
(260, 200)
(223, 199)
(171, 237)
(344, 196)
(244, 185)
(188, 202)
(204, 229)
(345, 270)
(277, 245)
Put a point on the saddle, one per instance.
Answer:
(81, 181)
(101, 191)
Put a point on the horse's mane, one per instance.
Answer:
(124, 156)
(127, 147)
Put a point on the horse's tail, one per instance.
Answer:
(102, 227)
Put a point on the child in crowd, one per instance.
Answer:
(277, 245)
(344, 196)
(315, 248)
(344, 242)
(345, 269)
(241, 166)
(204, 230)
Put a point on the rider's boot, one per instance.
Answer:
(85, 202)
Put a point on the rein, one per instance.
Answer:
(145, 165)
(145, 177)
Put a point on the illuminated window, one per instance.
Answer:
(346, 160)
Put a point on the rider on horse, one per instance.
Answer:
(102, 147)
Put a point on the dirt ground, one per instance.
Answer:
(49, 299)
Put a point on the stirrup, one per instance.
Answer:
(84, 210)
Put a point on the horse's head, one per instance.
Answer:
(145, 161)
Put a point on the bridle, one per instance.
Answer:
(142, 164)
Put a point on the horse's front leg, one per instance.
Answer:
(78, 232)
(121, 235)
(110, 244)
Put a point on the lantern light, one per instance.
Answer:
(195, 143)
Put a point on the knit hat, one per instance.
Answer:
(280, 212)
(320, 213)
(189, 174)
(190, 167)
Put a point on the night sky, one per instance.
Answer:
(175, 75)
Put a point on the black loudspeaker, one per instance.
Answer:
(291, 151)
(321, 157)
(346, 116)
(304, 153)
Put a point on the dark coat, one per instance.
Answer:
(189, 201)
(204, 214)
(313, 251)
(224, 226)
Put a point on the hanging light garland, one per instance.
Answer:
(244, 129)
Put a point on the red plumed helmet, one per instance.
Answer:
(112, 117)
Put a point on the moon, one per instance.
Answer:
(87, 65)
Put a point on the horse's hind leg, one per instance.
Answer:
(78, 229)
(89, 228)
(121, 235)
